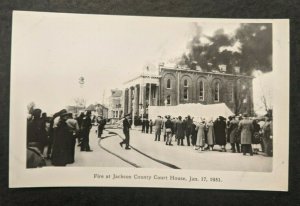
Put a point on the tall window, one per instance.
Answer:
(217, 91)
(169, 84)
(168, 100)
(201, 94)
(185, 89)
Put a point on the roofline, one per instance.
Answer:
(215, 73)
(143, 75)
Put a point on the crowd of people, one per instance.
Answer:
(55, 137)
(245, 134)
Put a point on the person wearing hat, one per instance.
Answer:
(74, 130)
(126, 128)
(53, 124)
(200, 141)
(246, 130)
(150, 126)
(86, 127)
(234, 134)
(188, 129)
(267, 135)
(158, 125)
(210, 134)
(36, 130)
(61, 141)
(220, 132)
(169, 127)
(147, 125)
(180, 131)
(101, 124)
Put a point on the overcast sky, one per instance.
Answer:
(51, 51)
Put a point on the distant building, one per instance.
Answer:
(116, 104)
(75, 109)
(98, 110)
(173, 86)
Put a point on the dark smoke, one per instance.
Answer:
(255, 51)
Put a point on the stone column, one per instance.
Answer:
(125, 101)
(156, 94)
(136, 100)
(144, 97)
(140, 97)
(129, 100)
(150, 96)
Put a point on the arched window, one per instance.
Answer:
(185, 90)
(169, 84)
(185, 83)
(217, 92)
(201, 94)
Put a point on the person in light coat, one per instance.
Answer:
(158, 125)
(246, 130)
(200, 142)
(210, 134)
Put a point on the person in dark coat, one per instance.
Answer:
(101, 124)
(79, 121)
(180, 131)
(220, 132)
(62, 135)
(86, 127)
(74, 129)
(188, 129)
(45, 133)
(143, 125)
(36, 130)
(150, 126)
(234, 134)
(169, 127)
(147, 125)
(246, 130)
(194, 134)
(267, 136)
(126, 129)
(51, 132)
(174, 129)
(256, 136)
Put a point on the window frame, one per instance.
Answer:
(201, 84)
(217, 89)
(185, 88)
(169, 80)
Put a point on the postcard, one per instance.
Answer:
(162, 102)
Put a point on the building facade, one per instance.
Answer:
(116, 104)
(98, 110)
(173, 86)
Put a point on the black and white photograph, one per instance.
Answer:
(99, 100)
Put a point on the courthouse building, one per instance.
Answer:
(173, 85)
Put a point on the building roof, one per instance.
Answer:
(203, 72)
